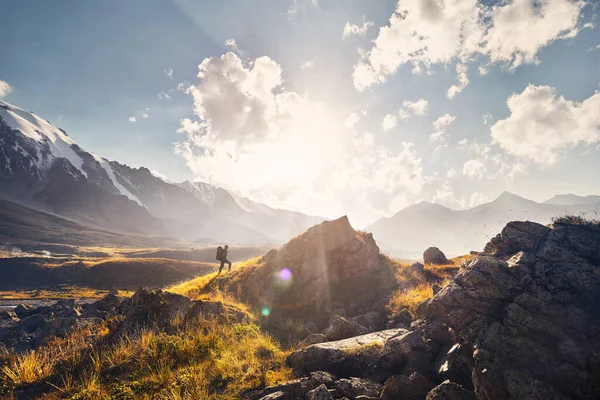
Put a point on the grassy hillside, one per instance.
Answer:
(208, 359)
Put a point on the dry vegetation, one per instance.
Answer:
(62, 292)
(204, 360)
(415, 289)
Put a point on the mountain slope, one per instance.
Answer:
(41, 166)
(412, 230)
(571, 199)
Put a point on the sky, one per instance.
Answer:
(325, 107)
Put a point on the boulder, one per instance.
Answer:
(516, 236)
(533, 319)
(322, 378)
(413, 387)
(433, 255)
(456, 364)
(449, 391)
(23, 310)
(342, 328)
(312, 339)
(357, 356)
(320, 393)
(355, 387)
(372, 320)
(407, 352)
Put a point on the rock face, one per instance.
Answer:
(433, 255)
(329, 266)
(533, 319)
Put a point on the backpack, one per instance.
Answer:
(219, 253)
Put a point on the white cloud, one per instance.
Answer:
(389, 122)
(418, 107)
(486, 118)
(463, 81)
(423, 33)
(483, 70)
(441, 124)
(356, 30)
(403, 115)
(542, 125)
(144, 115)
(477, 199)
(451, 173)
(4, 88)
(521, 28)
(256, 137)
(164, 96)
(131, 119)
(474, 169)
(308, 64)
(443, 121)
(231, 43)
(351, 120)
(169, 73)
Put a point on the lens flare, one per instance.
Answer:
(285, 274)
(265, 312)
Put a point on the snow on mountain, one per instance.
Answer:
(41, 130)
(42, 166)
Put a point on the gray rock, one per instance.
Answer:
(456, 364)
(449, 391)
(433, 255)
(320, 393)
(407, 352)
(322, 378)
(356, 356)
(312, 339)
(413, 387)
(23, 310)
(275, 396)
(371, 320)
(354, 387)
(342, 328)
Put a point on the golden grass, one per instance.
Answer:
(205, 360)
(63, 292)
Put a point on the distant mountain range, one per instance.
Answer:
(43, 168)
(412, 230)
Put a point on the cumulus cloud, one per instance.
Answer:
(463, 81)
(389, 122)
(451, 173)
(131, 119)
(418, 107)
(483, 70)
(441, 125)
(541, 125)
(144, 115)
(169, 73)
(356, 30)
(474, 169)
(256, 137)
(423, 33)
(4, 88)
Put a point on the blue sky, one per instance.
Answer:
(89, 67)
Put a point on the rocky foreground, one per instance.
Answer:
(520, 321)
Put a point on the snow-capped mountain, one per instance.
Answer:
(41, 166)
(412, 230)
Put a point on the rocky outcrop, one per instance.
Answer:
(529, 325)
(330, 266)
(151, 309)
(433, 255)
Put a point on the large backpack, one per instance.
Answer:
(219, 253)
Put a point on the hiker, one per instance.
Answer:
(222, 256)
